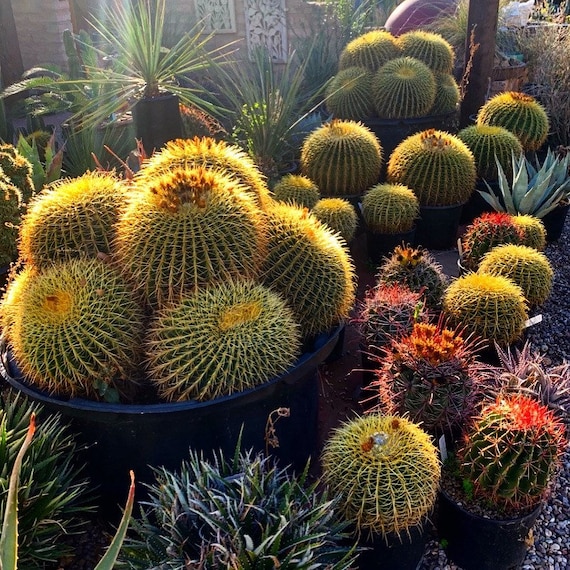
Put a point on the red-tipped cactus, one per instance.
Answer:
(512, 453)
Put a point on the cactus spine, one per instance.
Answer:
(339, 215)
(430, 48)
(370, 50)
(390, 208)
(349, 94)
(532, 230)
(386, 471)
(298, 190)
(447, 94)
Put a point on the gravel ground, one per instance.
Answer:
(551, 548)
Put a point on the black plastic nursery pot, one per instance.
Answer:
(477, 543)
(437, 226)
(121, 437)
(382, 245)
(554, 222)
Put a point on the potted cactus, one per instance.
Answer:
(339, 215)
(385, 471)
(494, 484)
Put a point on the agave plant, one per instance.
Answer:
(535, 189)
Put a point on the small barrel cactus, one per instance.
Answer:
(490, 307)
(490, 144)
(386, 471)
(511, 454)
(197, 123)
(310, 267)
(532, 229)
(519, 113)
(18, 169)
(484, 233)
(436, 165)
(403, 88)
(390, 209)
(349, 94)
(430, 48)
(339, 215)
(432, 376)
(76, 330)
(416, 268)
(189, 227)
(447, 94)
(72, 218)
(298, 190)
(525, 266)
(10, 211)
(342, 158)
(370, 50)
(221, 340)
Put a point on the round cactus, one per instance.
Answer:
(310, 267)
(296, 189)
(447, 94)
(18, 169)
(430, 48)
(390, 209)
(490, 307)
(416, 268)
(512, 452)
(525, 266)
(197, 123)
(484, 233)
(488, 144)
(436, 165)
(216, 155)
(386, 471)
(533, 231)
(370, 50)
(187, 228)
(339, 215)
(72, 218)
(342, 158)
(402, 88)
(76, 330)
(10, 210)
(220, 340)
(349, 94)
(519, 113)
(432, 376)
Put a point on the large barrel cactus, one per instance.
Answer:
(512, 452)
(519, 113)
(390, 209)
(221, 340)
(309, 267)
(436, 165)
(187, 228)
(385, 469)
(72, 218)
(349, 94)
(402, 88)
(370, 50)
(76, 330)
(342, 158)
(430, 48)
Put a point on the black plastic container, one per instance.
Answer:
(438, 226)
(120, 437)
(382, 245)
(554, 222)
(477, 543)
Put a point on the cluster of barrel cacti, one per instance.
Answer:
(188, 282)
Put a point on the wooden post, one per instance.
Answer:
(482, 22)
(11, 65)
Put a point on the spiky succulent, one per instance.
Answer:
(76, 330)
(72, 218)
(212, 513)
(512, 453)
(215, 155)
(390, 208)
(431, 375)
(525, 266)
(430, 48)
(416, 268)
(349, 94)
(370, 50)
(533, 231)
(519, 113)
(18, 169)
(484, 233)
(436, 165)
(310, 267)
(385, 471)
(402, 88)
(221, 340)
(10, 212)
(447, 94)
(297, 189)
(187, 228)
(197, 123)
(490, 307)
(489, 144)
(339, 215)
(342, 158)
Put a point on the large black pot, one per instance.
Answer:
(437, 226)
(120, 437)
(554, 222)
(477, 543)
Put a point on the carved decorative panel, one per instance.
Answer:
(218, 15)
(266, 26)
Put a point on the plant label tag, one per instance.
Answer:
(442, 448)
(533, 321)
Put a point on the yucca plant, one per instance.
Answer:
(240, 512)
